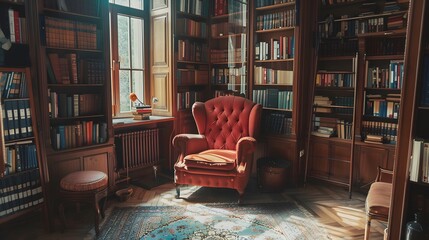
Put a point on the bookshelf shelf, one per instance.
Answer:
(73, 50)
(77, 86)
(200, 39)
(192, 62)
(274, 60)
(334, 72)
(70, 15)
(383, 90)
(369, 16)
(273, 85)
(82, 148)
(384, 57)
(343, 4)
(387, 33)
(283, 29)
(334, 140)
(227, 36)
(277, 109)
(336, 58)
(232, 63)
(225, 17)
(332, 106)
(275, 6)
(19, 141)
(423, 108)
(334, 89)
(381, 119)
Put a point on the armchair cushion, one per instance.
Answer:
(213, 159)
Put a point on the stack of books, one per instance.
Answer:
(142, 112)
(374, 139)
(324, 132)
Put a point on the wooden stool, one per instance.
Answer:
(84, 186)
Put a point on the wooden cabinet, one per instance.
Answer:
(367, 159)
(330, 160)
(100, 159)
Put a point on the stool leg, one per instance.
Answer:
(177, 191)
(96, 217)
(367, 227)
(62, 216)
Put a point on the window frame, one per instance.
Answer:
(114, 11)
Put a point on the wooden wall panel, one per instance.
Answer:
(96, 162)
(162, 92)
(159, 4)
(160, 40)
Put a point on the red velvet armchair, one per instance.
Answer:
(221, 155)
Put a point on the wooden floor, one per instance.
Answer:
(343, 218)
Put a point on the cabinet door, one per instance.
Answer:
(340, 161)
(62, 167)
(368, 159)
(96, 162)
(319, 159)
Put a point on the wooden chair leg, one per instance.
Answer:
(240, 197)
(177, 191)
(367, 227)
(96, 216)
(62, 216)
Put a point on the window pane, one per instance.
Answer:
(138, 84)
(137, 43)
(123, 41)
(123, 2)
(137, 4)
(124, 91)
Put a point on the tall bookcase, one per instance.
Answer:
(229, 29)
(191, 51)
(22, 174)
(418, 183)
(274, 83)
(373, 33)
(74, 86)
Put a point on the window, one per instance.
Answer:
(129, 40)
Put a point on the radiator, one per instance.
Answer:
(137, 149)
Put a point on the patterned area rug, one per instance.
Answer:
(219, 221)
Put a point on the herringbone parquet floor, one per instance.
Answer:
(343, 218)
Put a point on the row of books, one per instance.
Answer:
(20, 157)
(220, 75)
(286, 18)
(283, 48)
(424, 99)
(192, 77)
(73, 105)
(222, 7)
(264, 75)
(333, 2)
(388, 131)
(241, 92)
(185, 100)
(65, 33)
(16, 116)
(189, 27)
(80, 134)
(13, 85)
(263, 3)
(195, 7)
(277, 123)
(273, 98)
(335, 79)
(20, 191)
(391, 77)
(385, 46)
(17, 27)
(383, 106)
(332, 127)
(419, 165)
(228, 56)
(227, 28)
(337, 47)
(69, 69)
(191, 51)
(337, 104)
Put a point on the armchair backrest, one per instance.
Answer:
(224, 120)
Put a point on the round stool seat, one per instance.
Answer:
(84, 181)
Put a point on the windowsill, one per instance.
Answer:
(120, 123)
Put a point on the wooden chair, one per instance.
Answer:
(84, 186)
(377, 203)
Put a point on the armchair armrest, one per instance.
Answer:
(189, 143)
(245, 146)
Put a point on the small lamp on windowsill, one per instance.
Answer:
(143, 111)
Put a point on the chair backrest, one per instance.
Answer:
(224, 120)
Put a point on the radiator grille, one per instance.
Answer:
(137, 149)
